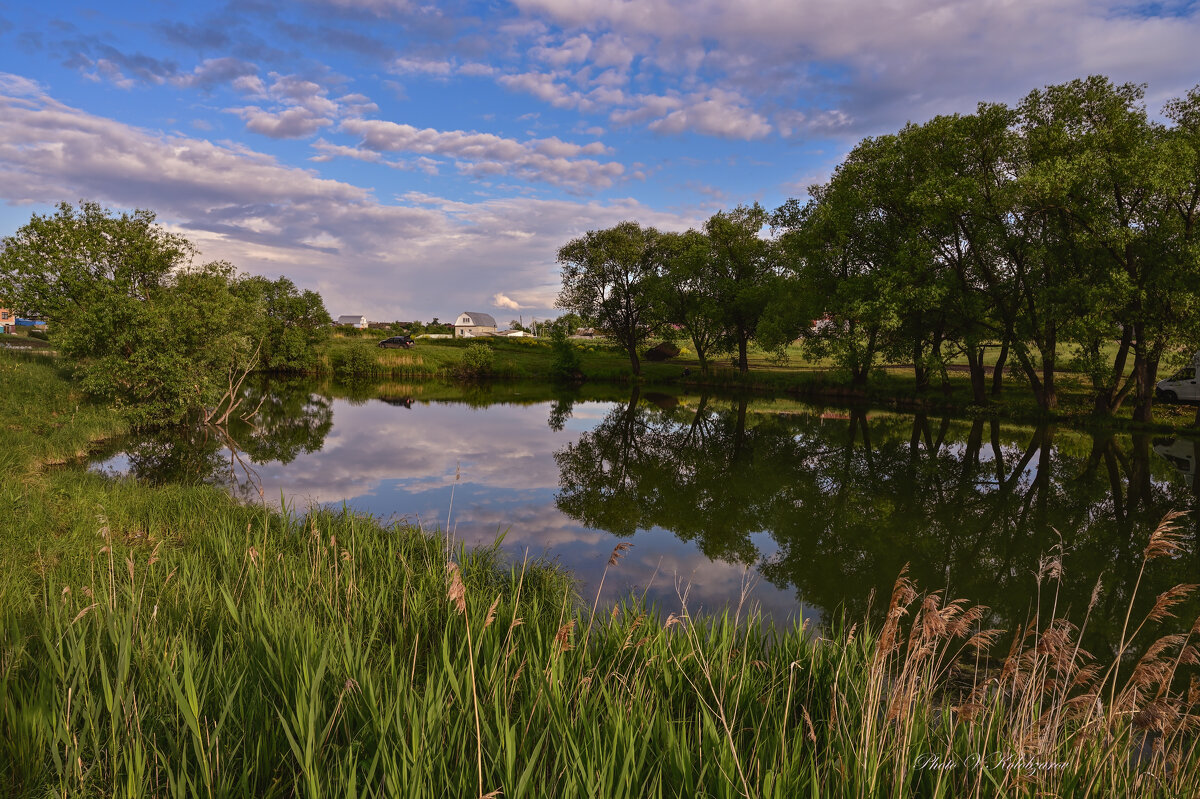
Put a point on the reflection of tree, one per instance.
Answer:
(291, 420)
(283, 419)
(971, 506)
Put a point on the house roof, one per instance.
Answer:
(480, 319)
(350, 318)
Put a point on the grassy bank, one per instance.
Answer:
(889, 387)
(172, 642)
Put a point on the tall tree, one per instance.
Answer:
(685, 291)
(745, 271)
(606, 277)
(842, 250)
(955, 164)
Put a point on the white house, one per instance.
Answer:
(354, 320)
(473, 323)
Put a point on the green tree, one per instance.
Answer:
(841, 248)
(606, 279)
(291, 322)
(685, 291)
(144, 328)
(744, 269)
(58, 264)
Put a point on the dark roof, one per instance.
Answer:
(480, 319)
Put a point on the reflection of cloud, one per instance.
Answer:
(378, 447)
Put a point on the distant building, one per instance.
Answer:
(354, 320)
(9, 322)
(474, 323)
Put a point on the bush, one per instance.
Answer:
(477, 360)
(40, 335)
(566, 363)
(354, 362)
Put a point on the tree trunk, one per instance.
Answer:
(978, 380)
(634, 362)
(1109, 397)
(920, 370)
(1049, 393)
(998, 369)
(743, 363)
(700, 356)
(1145, 370)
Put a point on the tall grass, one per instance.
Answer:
(324, 654)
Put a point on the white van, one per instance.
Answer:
(1179, 387)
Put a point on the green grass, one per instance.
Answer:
(172, 642)
(891, 386)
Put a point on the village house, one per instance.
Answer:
(474, 323)
(7, 320)
(354, 320)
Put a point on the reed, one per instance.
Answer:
(323, 654)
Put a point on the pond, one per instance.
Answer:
(810, 509)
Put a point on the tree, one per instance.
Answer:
(685, 291)
(606, 276)
(143, 328)
(744, 267)
(842, 248)
(180, 351)
(57, 265)
(291, 322)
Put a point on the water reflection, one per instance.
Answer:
(849, 499)
(826, 506)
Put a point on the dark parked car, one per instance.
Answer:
(398, 342)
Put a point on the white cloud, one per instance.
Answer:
(720, 113)
(288, 123)
(214, 71)
(858, 66)
(549, 160)
(419, 257)
(422, 66)
(573, 51)
(504, 301)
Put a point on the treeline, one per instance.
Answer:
(146, 328)
(1066, 224)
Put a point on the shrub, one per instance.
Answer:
(477, 360)
(565, 365)
(354, 362)
(40, 335)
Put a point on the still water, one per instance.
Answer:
(812, 509)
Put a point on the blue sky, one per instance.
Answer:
(410, 159)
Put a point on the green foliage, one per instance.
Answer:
(145, 328)
(167, 355)
(40, 335)
(291, 323)
(745, 275)
(607, 277)
(567, 360)
(478, 360)
(357, 361)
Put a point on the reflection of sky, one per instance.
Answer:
(395, 462)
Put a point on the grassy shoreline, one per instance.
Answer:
(891, 387)
(173, 642)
